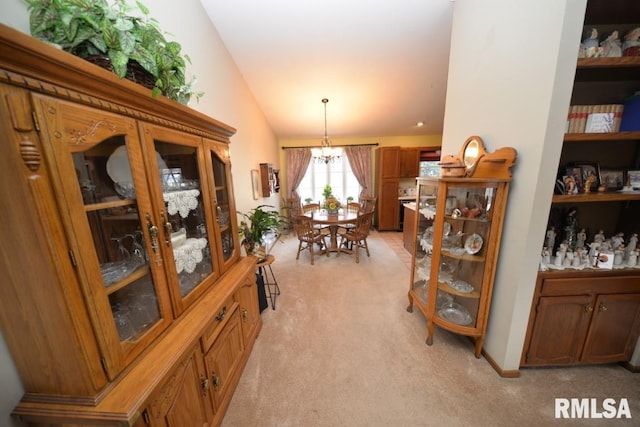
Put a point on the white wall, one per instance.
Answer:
(226, 98)
(511, 72)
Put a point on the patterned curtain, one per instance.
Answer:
(297, 162)
(360, 161)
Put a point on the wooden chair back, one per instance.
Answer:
(368, 203)
(310, 207)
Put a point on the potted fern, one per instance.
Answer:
(118, 37)
(256, 225)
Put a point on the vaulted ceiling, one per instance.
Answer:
(381, 63)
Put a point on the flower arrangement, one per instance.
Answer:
(331, 203)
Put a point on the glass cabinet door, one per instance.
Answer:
(187, 237)
(113, 236)
(425, 220)
(465, 236)
(226, 221)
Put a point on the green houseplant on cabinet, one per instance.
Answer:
(256, 225)
(118, 37)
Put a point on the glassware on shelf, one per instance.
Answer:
(122, 254)
(138, 252)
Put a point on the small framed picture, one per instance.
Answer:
(255, 183)
(590, 175)
(611, 179)
(575, 173)
(633, 176)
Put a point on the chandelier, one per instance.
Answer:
(326, 153)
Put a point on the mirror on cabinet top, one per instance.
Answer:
(471, 153)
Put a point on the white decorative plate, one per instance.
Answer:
(473, 244)
(118, 166)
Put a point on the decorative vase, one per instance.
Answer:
(257, 250)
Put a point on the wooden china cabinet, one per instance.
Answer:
(125, 299)
(458, 226)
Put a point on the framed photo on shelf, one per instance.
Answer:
(612, 179)
(590, 175)
(633, 176)
(574, 173)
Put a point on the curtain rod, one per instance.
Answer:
(375, 144)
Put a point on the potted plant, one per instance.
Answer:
(257, 224)
(118, 37)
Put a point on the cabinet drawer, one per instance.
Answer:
(216, 324)
(591, 285)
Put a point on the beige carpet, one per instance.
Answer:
(341, 350)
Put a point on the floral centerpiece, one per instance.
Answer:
(331, 203)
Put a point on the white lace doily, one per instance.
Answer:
(189, 254)
(181, 202)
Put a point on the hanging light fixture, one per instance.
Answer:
(326, 153)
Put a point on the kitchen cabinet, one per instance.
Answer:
(571, 328)
(392, 164)
(458, 228)
(388, 171)
(579, 320)
(124, 244)
(409, 162)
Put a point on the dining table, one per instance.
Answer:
(334, 221)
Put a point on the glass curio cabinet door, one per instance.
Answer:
(425, 218)
(112, 229)
(226, 221)
(187, 238)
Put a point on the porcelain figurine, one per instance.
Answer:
(617, 241)
(599, 237)
(590, 46)
(631, 44)
(612, 46)
(581, 238)
(551, 238)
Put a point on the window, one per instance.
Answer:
(338, 174)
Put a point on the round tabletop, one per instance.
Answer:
(339, 218)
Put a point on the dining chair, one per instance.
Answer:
(314, 207)
(353, 207)
(357, 238)
(308, 236)
(367, 203)
(310, 207)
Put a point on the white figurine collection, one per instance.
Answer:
(610, 46)
(601, 253)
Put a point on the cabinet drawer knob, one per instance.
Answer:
(602, 307)
(221, 315)
(588, 308)
(204, 383)
(216, 381)
(245, 314)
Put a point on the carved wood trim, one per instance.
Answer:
(80, 98)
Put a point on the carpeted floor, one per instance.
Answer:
(341, 350)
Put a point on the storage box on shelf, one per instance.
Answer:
(588, 301)
(458, 227)
(124, 257)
